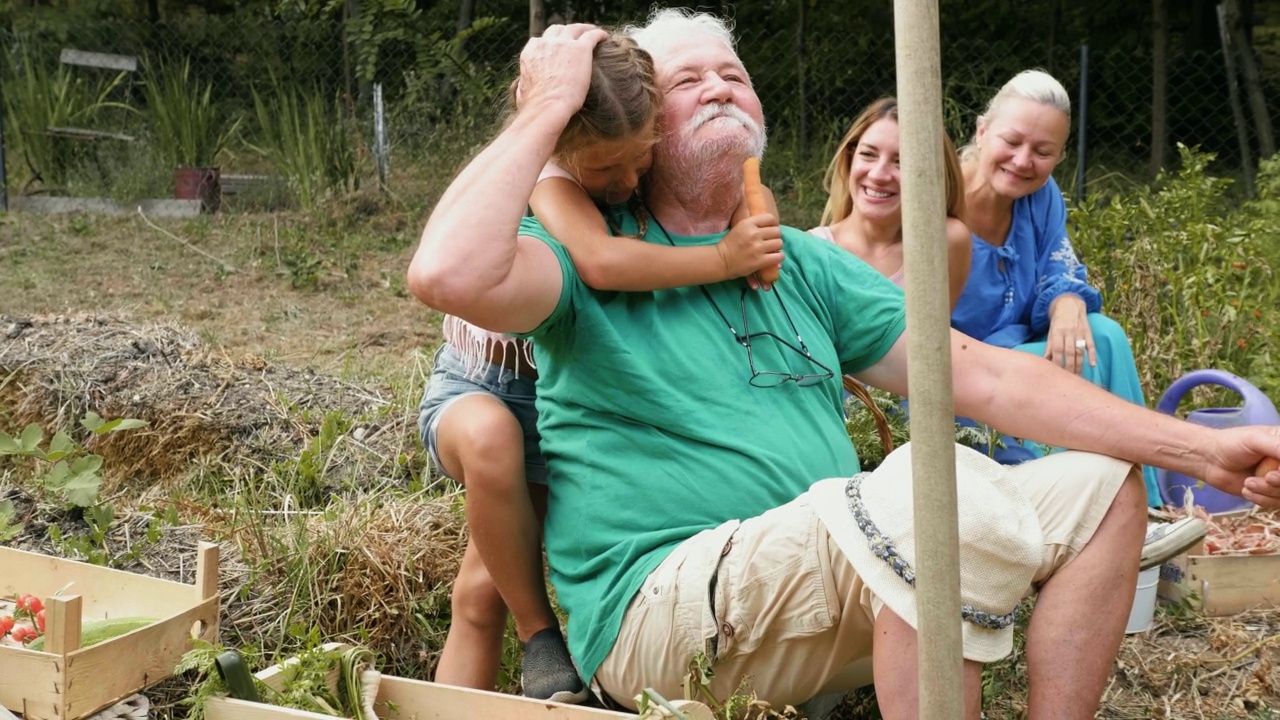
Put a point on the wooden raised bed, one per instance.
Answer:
(65, 681)
(1223, 584)
(403, 699)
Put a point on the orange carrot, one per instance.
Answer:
(1266, 466)
(753, 189)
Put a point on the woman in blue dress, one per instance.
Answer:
(1027, 290)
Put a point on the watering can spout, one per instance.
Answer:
(1256, 409)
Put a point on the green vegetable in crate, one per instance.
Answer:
(93, 632)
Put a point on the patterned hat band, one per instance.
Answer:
(884, 549)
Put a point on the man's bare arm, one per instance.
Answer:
(1026, 396)
(470, 262)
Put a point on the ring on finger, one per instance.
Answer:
(1081, 344)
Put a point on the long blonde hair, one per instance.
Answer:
(836, 182)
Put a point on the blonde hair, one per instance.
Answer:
(836, 182)
(622, 100)
(1035, 85)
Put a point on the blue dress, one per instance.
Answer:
(1006, 301)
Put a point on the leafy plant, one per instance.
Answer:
(190, 130)
(9, 525)
(72, 471)
(1185, 274)
(38, 97)
(304, 135)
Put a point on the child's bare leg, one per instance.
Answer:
(473, 648)
(481, 444)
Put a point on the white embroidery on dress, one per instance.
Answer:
(1066, 255)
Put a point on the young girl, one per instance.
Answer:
(477, 417)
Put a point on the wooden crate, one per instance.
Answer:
(403, 699)
(1223, 584)
(65, 681)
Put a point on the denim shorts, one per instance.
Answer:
(449, 382)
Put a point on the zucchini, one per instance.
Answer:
(93, 632)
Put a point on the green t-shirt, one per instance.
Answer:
(652, 432)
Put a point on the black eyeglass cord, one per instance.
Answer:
(743, 340)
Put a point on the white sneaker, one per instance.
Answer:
(1165, 540)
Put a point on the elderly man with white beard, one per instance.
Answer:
(688, 432)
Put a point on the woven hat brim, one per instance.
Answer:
(832, 506)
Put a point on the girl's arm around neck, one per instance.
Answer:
(610, 262)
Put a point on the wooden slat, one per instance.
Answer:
(1229, 584)
(62, 624)
(206, 571)
(227, 709)
(103, 674)
(87, 134)
(104, 592)
(84, 58)
(28, 683)
(418, 700)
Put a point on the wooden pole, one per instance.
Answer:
(919, 69)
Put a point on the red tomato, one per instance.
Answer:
(40, 619)
(35, 604)
(23, 600)
(6, 624)
(19, 634)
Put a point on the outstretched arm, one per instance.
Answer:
(607, 262)
(470, 262)
(1019, 393)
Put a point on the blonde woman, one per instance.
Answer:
(1027, 290)
(864, 207)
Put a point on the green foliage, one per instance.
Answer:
(9, 525)
(190, 130)
(39, 95)
(305, 478)
(1185, 275)
(741, 705)
(306, 137)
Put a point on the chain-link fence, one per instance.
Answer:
(295, 99)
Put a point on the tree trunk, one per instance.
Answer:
(1055, 22)
(466, 13)
(1233, 94)
(537, 18)
(800, 73)
(1252, 81)
(1159, 84)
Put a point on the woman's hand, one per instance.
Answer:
(555, 69)
(1070, 340)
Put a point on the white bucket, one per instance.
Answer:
(1144, 601)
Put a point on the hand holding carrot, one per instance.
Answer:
(754, 245)
(753, 191)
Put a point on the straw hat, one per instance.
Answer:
(1001, 542)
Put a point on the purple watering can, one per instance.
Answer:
(1257, 410)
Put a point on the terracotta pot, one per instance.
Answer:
(198, 183)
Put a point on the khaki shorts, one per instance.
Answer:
(788, 611)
